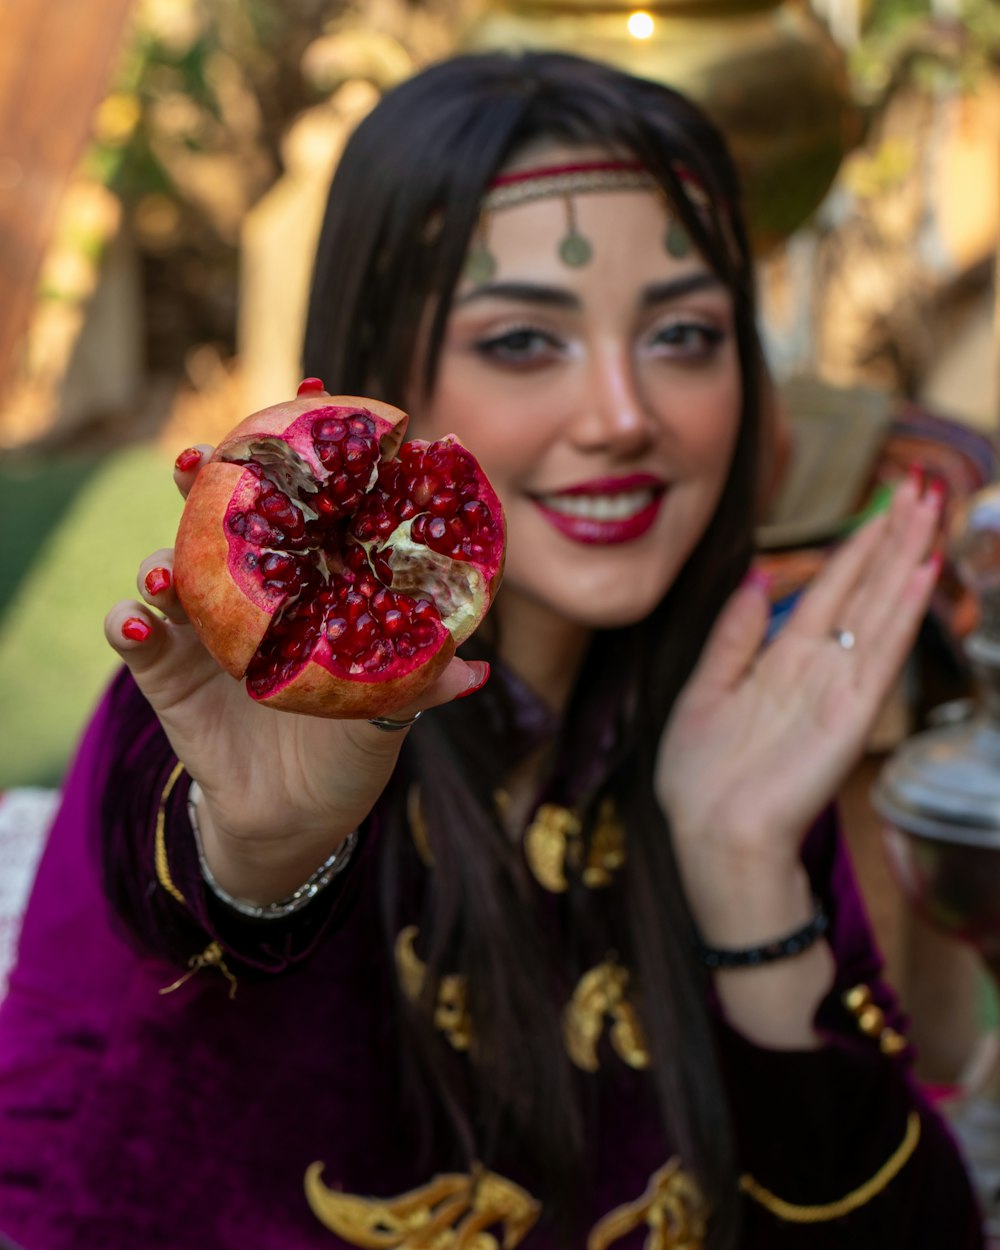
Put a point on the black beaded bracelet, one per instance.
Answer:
(779, 948)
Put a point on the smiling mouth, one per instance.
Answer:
(604, 507)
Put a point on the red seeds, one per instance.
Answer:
(336, 628)
(354, 606)
(365, 630)
(394, 623)
(330, 430)
(443, 503)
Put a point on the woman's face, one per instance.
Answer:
(602, 401)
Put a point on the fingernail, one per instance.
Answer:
(934, 562)
(758, 580)
(310, 386)
(188, 459)
(479, 683)
(937, 491)
(135, 629)
(157, 580)
(915, 474)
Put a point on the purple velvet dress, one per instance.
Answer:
(131, 1119)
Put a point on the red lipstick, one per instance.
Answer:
(606, 531)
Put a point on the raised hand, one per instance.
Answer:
(763, 735)
(280, 790)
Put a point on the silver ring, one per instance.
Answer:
(844, 638)
(393, 726)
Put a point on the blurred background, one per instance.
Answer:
(163, 168)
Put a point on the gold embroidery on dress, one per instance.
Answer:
(212, 956)
(451, 1011)
(821, 1213)
(553, 844)
(418, 826)
(452, 1212)
(672, 1208)
(603, 992)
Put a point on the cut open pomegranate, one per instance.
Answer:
(331, 565)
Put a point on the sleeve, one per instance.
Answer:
(152, 875)
(838, 1147)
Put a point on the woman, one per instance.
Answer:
(581, 978)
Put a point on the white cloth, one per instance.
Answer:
(25, 816)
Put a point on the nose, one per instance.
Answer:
(612, 417)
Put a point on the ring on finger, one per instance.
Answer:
(393, 726)
(844, 638)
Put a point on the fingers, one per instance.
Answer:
(188, 463)
(737, 636)
(884, 649)
(155, 582)
(882, 591)
(138, 635)
(460, 679)
(861, 584)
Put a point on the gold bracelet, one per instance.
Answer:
(795, 1214)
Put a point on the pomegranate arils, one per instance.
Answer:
(443, 503)
(343, 591)
(332, 430)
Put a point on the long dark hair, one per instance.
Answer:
(402, 209)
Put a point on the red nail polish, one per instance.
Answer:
(759, 580)
(188, 459)
(915, 473)
(310, 386)
(934, 561)
(479, 684)
(135, 629)
(938, 491)
(157, 580)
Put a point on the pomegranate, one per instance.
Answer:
(330, 564)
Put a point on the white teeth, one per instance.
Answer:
(618, 507)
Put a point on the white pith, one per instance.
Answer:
(619, 507)
(457, 588)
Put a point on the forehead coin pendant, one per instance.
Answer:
(567, 181)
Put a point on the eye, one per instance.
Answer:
(686, 340)
(520, 345)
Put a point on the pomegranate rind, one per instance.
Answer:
(225, 618)
(320, 692)
(275, 422)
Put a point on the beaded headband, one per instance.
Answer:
(565, 181)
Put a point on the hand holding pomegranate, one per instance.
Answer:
(337, 580)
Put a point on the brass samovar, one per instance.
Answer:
(767, 71)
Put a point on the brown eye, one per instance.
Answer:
(521, 346)
(687, 339)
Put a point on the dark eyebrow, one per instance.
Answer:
(522, 292)
(676, 288)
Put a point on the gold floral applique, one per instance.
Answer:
(553, 844)
(452, 1212)
(451, 1011)
(602, 992)
(672, 1208)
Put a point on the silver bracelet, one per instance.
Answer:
(295, 901)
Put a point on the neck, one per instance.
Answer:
(543, 648)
